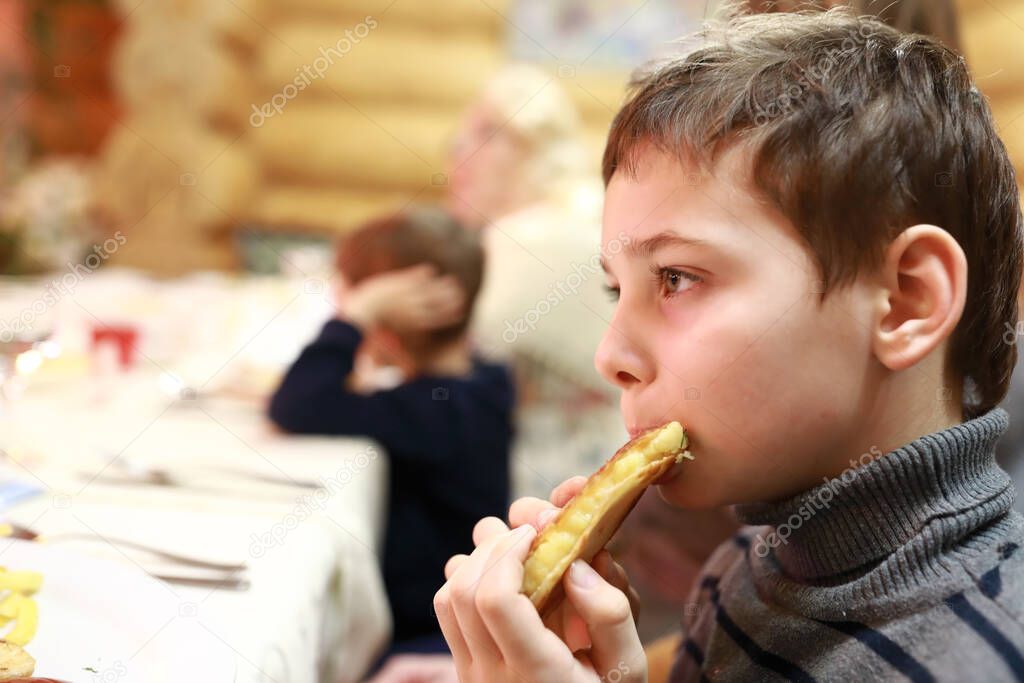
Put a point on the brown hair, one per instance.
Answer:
(856, 132)
(408, 238)
(936, 18)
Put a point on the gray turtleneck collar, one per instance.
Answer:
(942, 487)
(909, 567)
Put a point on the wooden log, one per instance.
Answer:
(71, 45)
(357, 144)
(242, 21)
(70, 122)
(325, 210)
(319, 57)
(204, 76)
(208, 177)
(444, 15)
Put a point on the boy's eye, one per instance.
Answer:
(671, 281)
(674, 281)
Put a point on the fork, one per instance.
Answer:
(26, 534)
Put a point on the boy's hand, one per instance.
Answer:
(496, 634)
(417, 669)
(408, 300)
(564, 620)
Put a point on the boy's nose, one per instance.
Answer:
(619, 361)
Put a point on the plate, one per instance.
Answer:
(104, 621)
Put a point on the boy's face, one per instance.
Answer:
(719, 325)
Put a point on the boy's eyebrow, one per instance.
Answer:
(649, 246)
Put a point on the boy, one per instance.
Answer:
(446, 427)
(825, 247)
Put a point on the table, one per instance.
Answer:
(316, 608)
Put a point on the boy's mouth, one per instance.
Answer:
(674, 471)
(637, 431)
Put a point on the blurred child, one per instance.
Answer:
(824, 253)
(407, 283)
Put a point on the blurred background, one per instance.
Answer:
(174, 175)
(191, 126)
(188, 125)
(195, 125)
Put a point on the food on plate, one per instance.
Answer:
(20, 581)
(16, 605)
(588, 521)
(22, 610)
(15, 663)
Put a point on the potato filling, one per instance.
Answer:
(582, 513)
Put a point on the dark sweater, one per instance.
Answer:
(448, 442)
(907, 568)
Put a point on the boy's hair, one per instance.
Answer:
(937, 18)
(411, 237)
(856, 131)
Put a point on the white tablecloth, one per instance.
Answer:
(316, 609)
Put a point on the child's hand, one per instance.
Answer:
(411, 299)
(417, 669)
(564, 620)
(496, 634)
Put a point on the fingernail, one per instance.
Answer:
(546, 516)
(524, 531)
(582, 574)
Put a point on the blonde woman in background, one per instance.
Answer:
(518, 145)
(521, 173)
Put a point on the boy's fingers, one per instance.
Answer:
(419, 271)
(529, 649)
(418, 284)
(453, 564)
(488, 528)
(608, 615)
(425, 320)
(405, 278)
(574, 629)
(438, 294)
(463, 573)
(444, 300)
(432, 308)
(442, 316)
(450, 629)
(613, 573)
(532, 511)
(416, 669)
(462, 588)
(564, 492)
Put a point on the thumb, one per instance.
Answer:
(606, 611)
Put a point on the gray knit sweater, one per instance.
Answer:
(910, 567)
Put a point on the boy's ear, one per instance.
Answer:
(924, 287)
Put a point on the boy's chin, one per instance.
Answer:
(691, 493)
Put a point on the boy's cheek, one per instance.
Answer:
(729, 469)
(753, 421)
